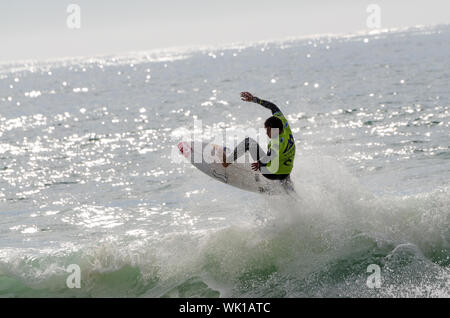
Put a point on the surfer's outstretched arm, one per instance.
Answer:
(269, 105)
(246, 96)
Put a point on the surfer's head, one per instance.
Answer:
(273, 122)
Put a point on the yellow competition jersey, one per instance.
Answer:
(286, 154)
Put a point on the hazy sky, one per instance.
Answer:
(38, 29)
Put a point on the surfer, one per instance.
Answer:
(277, 163)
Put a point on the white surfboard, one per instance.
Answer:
(208, 159)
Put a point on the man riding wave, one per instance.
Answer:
(278, 162)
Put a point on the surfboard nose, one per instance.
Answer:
(185, 148)
(180, 147)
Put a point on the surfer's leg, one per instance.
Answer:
(248, 144)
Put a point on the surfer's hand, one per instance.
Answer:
(255, 166)
(246, 97)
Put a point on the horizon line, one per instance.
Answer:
(224, 46)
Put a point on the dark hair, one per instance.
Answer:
(274, 122)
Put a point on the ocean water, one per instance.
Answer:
(89, 171)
